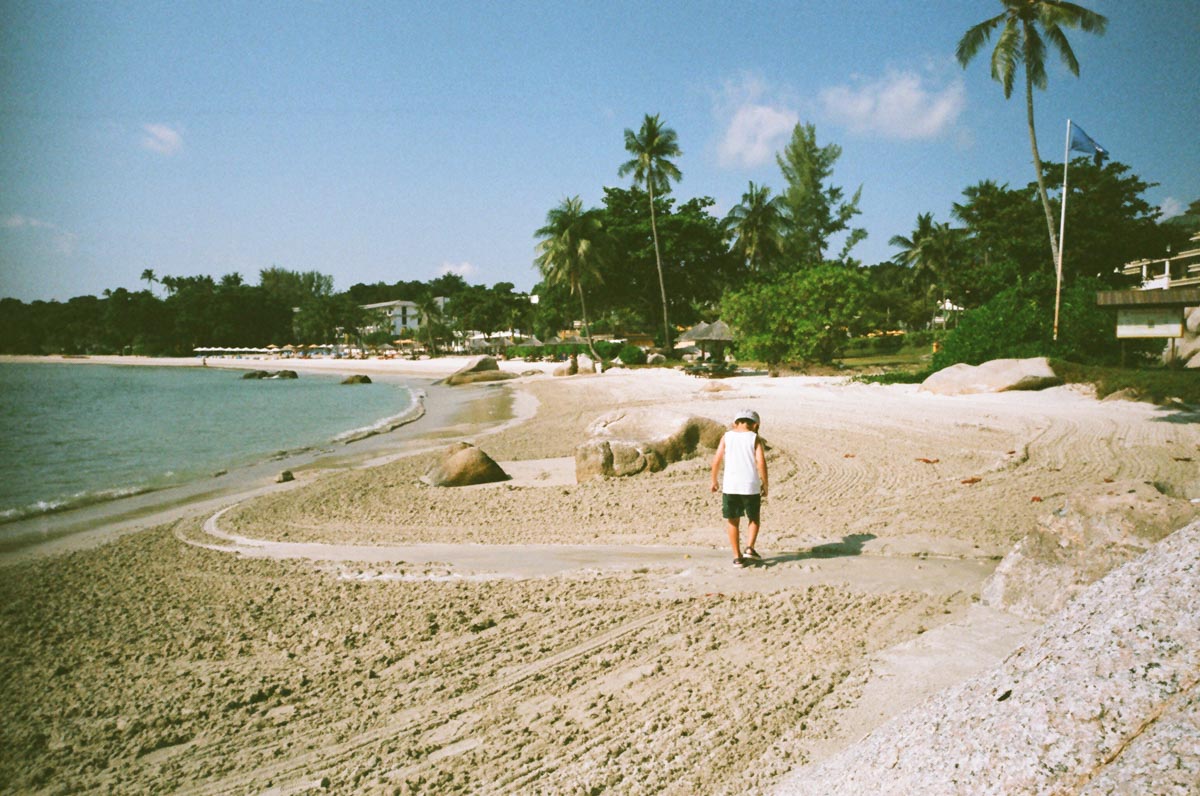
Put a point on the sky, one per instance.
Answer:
(379, 142)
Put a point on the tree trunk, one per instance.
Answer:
(658, 261)
(587, 328)
(1037, 164)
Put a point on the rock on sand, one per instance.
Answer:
(464, 465)
(998, 375)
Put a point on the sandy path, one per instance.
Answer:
(541, 636)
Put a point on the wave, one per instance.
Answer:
(414, 411)
(78, 500)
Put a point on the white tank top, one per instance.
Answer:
(741, 473)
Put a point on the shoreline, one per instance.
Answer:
(436, 410)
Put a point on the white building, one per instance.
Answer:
(403, 314)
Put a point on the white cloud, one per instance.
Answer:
(757, 127)
(1170, 208)
(898, 105)
(161, 139)
(465, 270)
(61, 241)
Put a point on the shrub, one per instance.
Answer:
(607, 349)
(1019, 322)
(632, 355)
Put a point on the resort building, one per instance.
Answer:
(402, 314)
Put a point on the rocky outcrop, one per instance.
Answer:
(266, 374)
(1187, 348)
(463, 464)
(1093, 531)
(357, 378)
(624, 443)
(1104, 699)
(998, 375)
(479, 369)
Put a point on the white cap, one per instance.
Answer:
(746, 414)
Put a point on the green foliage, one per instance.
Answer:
(632, 355)
(1158, 385)
(802, 316)
(813, 209)
(607, 349)
(894, 377)
(1019, 323)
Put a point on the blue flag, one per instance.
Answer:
(1082, 142)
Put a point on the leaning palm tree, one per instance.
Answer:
(651, 147)
(1021, 42)
(755, 225)
(570, 253)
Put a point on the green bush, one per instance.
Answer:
(887, 344)
(632, 355)
(1019, 322)
(607, 349)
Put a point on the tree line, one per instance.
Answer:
(778, 266)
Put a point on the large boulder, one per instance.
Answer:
(624, 443)
(463, 464)
(357, 378)
(479, 369)
(998, 375)
(1187, 349)
(1093, 531)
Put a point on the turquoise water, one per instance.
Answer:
(73, 434)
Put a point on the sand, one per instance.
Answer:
(358, 631)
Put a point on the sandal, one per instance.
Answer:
(752, 553)
(739, 562)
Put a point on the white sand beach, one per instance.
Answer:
(357, 631)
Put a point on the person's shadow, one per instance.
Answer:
(851, 545)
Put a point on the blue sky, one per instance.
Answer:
(396, 140)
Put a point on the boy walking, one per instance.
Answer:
(745, 482)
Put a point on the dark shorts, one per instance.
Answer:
(734, 506)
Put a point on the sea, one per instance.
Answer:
(73, 434)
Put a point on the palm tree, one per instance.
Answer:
(430, 310)
(1021, 42)
(570, 253)
(930, 252)
(756, 225)
(651, 147)
(149, 277)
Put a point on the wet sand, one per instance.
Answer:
(358, 631)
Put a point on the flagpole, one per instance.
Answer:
(1062, 232)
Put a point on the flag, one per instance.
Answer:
(1082, 142)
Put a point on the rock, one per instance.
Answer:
(481, 376)
(624, 443)
(285, 374)
(1095, 530)
(1102, 699)
(569, 369)
(284, 477)
(1187, 348)
(655, 359)
(483, 368)
(357, 378)
(255, 374)
(998, 375)
(463, 464)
